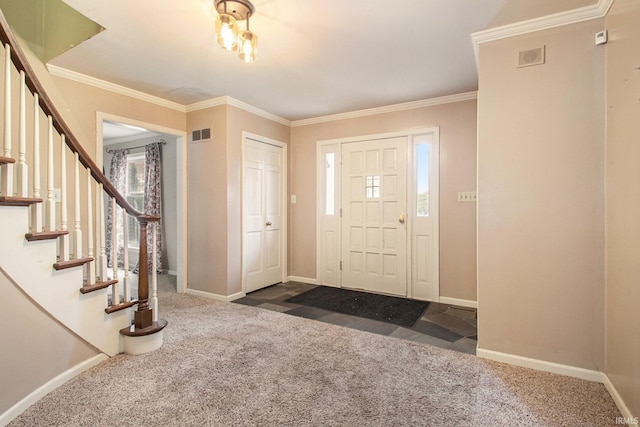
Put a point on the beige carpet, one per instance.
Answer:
(226, 364)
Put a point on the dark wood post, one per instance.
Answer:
(143, 316)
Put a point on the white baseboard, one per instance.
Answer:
(302, 279)
(541, 365)
(459, 302)
(620, 403)
(209, 295)
(49, 386)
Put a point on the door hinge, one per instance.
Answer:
(340, 212)
(340, 265)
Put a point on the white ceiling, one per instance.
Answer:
(315, 57)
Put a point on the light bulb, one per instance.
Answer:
(226, 31)
(247, 46)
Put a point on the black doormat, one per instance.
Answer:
(398, 311)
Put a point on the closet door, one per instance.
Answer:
(263, 216)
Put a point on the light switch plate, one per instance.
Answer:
(467, 196)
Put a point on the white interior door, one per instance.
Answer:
(263, 214)
(374, 203)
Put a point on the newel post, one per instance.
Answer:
(143, 316)
(145, 334)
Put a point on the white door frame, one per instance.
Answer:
(322, 147)
(265, 140)
(181, 184)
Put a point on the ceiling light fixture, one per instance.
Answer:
(227, 34)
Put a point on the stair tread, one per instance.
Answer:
(97, 286)
(121, 306)
(45, 235)
(18, 201)
(5, 160)
(77, 262)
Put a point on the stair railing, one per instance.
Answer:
(14, 191)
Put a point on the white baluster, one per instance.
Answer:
(102, 261)
(115, 289)
(64, 239)
(127, 279)
(36, 208)
(6, 171)
(22, 168)
(91, 265)
(51, 202)
(77, 232)
(154, 274)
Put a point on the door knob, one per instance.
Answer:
(401, 219)
(268, 223)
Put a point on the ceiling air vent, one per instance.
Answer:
(529, 57)
(201, 135)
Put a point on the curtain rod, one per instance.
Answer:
(111, 150)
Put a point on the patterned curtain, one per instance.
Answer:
(153, 200)
(118, 177)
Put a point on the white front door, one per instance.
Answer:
(263, 214)
(374, 203)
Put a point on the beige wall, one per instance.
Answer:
(457, 122)
(215, 202)
(540, 199)
(622, 202)
(35, 348)
(207, 216)
(85, 101)
(239, 121)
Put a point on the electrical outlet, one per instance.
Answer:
(467, 196)
(293, 199)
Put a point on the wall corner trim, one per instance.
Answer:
(598, 10)
(141, 96)
(541, 365)
(228, 100)
(620, 403)
(49, 386)
(430, 102)
(112, 87)
(216, 297)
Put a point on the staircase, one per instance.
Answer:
(53, 244)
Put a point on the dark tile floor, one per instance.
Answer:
(441, 325)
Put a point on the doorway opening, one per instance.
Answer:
(120, 133)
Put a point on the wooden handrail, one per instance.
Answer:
(22, 64)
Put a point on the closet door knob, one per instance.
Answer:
(268, 224)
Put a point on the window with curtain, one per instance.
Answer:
(138, 177)
(135, 194)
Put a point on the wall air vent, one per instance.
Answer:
(529, 57)
(201, 135)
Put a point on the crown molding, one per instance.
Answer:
(228, 100)
(112, 87)
(598, 10)
(387, 109)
